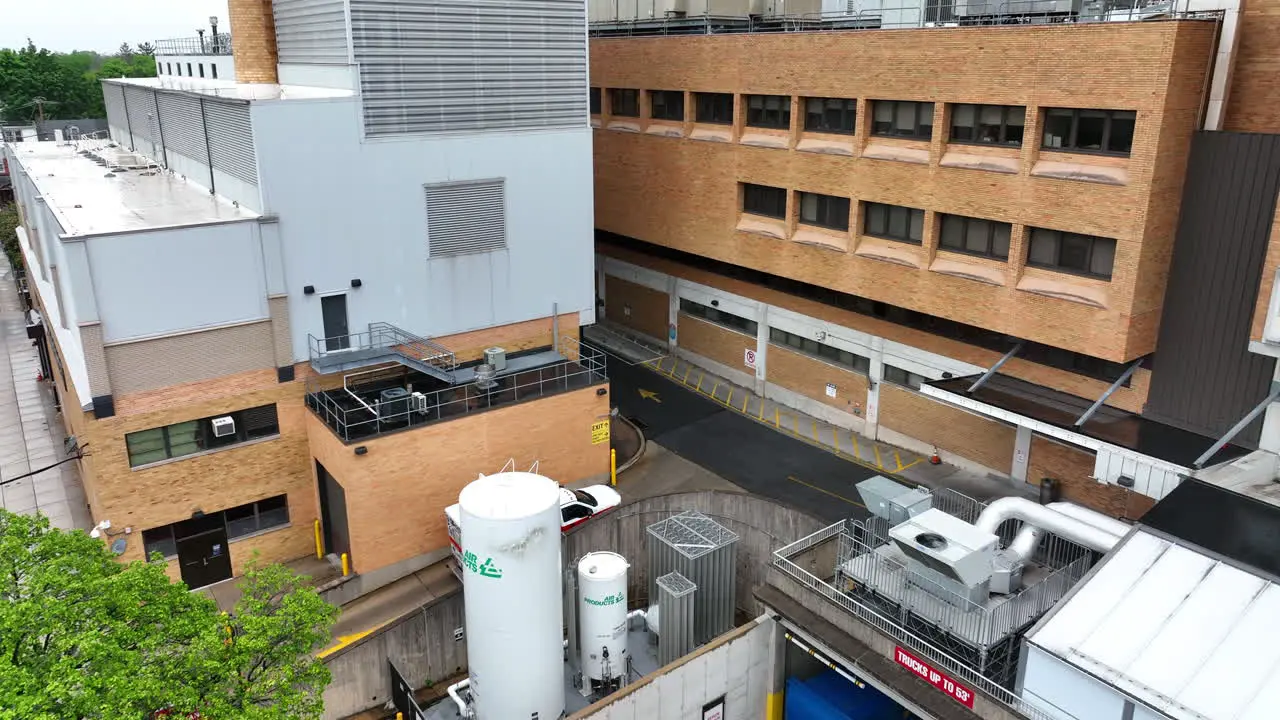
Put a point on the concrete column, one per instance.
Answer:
(1021, 454)
(762, 348)
(673, 315)
(777, 673)
(875, 376)
(253, 40)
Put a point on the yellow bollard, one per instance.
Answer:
(319, 543)
(346, 565)
(399, 716)
(613, 467)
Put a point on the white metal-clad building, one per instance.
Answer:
(1161, 630)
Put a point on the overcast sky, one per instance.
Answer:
(103, 24)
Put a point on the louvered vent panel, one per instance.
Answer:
(470, 65)
(311, 31)
(466, 217)
(231, 139)
(141, 104)
(113, 96)
(183, 125)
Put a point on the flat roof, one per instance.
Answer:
(1110, 425)
(1178, 630)
(232, 90)
(1242, 527)
(87, 202)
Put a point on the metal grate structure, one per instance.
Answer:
(464, 218)
(676, 601)
(703, 551)
(312, 32)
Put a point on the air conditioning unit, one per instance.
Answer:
(393, 407)
(948, 546)
(224, 426)
(419, 403)
(497, 357)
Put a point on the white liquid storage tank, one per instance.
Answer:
(602, 616)
(513, 603)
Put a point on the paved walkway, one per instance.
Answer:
(842, 442)
(31, 431)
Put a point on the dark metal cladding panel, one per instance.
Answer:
(1205, 379)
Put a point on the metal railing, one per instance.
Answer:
(890, 628)
(929, 14)
(381, 339)
(354, 412)
(219, 44)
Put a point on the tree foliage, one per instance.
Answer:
(83, 637)
(69, 82)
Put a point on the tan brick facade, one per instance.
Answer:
(253, 40)
(713, 342)
(809, 377)
(684, 193)
(1072, 467)
(637, 307)
(397, 492)
(190, 357)
(981, 440)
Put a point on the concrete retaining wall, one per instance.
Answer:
(762, 526)
(421, 645)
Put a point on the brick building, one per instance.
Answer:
(249, 354)
(1005, 242)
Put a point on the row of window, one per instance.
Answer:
(1052, 249)
(821, 351)
(193, 436)
(719, 317)
(1096, 131)
(1031, 351)
(254, 517)
(167, 69)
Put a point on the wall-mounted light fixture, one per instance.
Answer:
(308, 289)
(355, 282)
(362, 450)
(602, 391)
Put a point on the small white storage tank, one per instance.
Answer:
(602, 615)
(511, 585)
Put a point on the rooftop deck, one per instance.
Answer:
(232, 90)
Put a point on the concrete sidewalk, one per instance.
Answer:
(882, 457)
(31, 431)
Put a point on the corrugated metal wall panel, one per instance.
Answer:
(1204, 378)
(183, 124)
(231, 139)
(466, 217)
(458, 65)
(141, 106)
(113, 96)
(311, 31)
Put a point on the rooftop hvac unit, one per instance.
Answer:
(419, 403)
(497, 357)
(484, 377)
(224, 426)
(948, 546)
(393, 406)
(893, 501)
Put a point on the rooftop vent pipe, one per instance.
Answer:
(1042, 518)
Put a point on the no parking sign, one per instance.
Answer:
(749, 358)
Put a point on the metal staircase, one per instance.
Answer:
(382, 343)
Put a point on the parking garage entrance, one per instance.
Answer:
(819, 689)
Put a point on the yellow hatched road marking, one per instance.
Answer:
(876, 447)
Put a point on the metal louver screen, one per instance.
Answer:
(311, 31)
(183, 125)
(449, 65)
(231, 139)
(466, 217)
(141, 105)
(113, 96)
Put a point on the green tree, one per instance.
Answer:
(8, 236)
(68, 82)
(83, 637)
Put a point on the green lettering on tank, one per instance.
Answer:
(613, 599)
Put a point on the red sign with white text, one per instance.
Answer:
(925, 671)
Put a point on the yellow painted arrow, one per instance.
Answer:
(649, 395)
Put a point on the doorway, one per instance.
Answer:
(333, 311)
(333, 513)
(203, 555)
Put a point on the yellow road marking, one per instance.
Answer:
(857, 452)
(876, 447)
(897, 459)
(794, 479)
(714, 388)
(730, 400)
(776, 422)
(913, 463)
(835, 438)
(701, 377)
(688, 369)
(745, 400)
(815, 431)
(345, 640)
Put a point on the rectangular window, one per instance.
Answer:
(624, 102)
(213, 68)
(168, 68)
(1099, 131)
(593, 100)
(769, 111)
(1071, 252)
(975, 236)
(764, 200)
(830, 115)
(713, 108)
(905, 378)
(733, 322)
(988, 124)
(188, 69)
(193, 436)
(824, 210)
(821, 351)
(893, 222)
(201, 69)
(666, 105)
(242, 520)
(902, 118)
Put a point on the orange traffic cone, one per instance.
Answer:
(934, 459)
